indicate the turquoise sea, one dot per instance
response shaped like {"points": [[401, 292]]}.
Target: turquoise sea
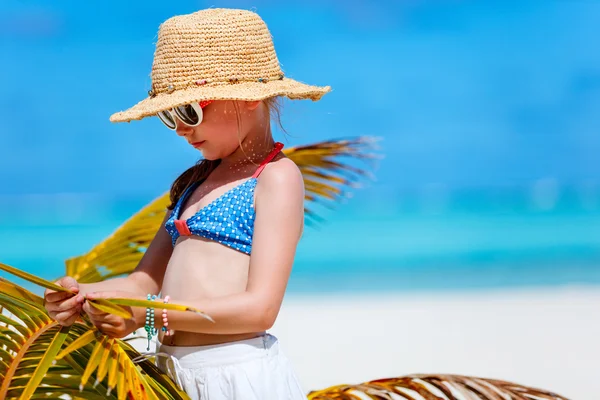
{"points": [[370, 244], [488, 113]]}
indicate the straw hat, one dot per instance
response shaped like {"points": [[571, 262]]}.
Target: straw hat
{"points": [[215, 54]]}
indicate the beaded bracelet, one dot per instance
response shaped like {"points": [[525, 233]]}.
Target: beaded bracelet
{"points": [[165, 327], [149, 327]]}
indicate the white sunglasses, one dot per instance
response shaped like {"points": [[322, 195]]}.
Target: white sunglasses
{"points": [[190, 114]]}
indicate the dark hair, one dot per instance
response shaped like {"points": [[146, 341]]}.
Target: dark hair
{"points": [[197, 173], [203, 168]]}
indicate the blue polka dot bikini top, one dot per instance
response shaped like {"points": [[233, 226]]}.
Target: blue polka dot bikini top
{"points": [[229, 219]]}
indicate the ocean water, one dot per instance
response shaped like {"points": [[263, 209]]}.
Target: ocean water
{"points": [[374, 243], [488, 113]]}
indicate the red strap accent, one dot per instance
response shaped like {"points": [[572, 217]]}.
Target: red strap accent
{"points": [[274, 152], [182, 227]]}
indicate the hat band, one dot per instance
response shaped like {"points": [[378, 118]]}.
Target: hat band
{"points": [[201, 82]]}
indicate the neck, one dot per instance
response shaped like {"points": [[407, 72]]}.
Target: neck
{"points": [[253, 150]]}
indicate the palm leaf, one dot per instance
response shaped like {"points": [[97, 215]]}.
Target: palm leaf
{"points": [[27, 334], [78, 343], [32, 365], [157, 305], [108, 305], [46, 360], [434, 387], [36, 339], [102, 304], [33, 279], [327, 180]]}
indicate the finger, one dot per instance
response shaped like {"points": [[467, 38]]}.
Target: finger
{"points": [[65, 316], [70, 303], [93, 310], [54, 296], [108, 320], [86, 307], [104, 324], [68, 282], [71, 320], [65, 282], [66, 304], [105, 327], [108, 329], [105, 319]]}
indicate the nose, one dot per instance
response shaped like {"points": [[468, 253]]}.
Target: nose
{"points": [[183, 129]]}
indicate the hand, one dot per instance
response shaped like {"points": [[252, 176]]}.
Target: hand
{"points": [[62, 306], [110, 324]]}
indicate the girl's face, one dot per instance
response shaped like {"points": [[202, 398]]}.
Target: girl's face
{"points": [[224, 125]]}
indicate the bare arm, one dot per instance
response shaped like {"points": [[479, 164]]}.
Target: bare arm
{"points": [[277, 229]]}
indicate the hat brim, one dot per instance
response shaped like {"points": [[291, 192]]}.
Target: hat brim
{"points": [[239, 91]]}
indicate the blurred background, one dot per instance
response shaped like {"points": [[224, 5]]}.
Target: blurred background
{"points": [[487, 111], [476, 248]]}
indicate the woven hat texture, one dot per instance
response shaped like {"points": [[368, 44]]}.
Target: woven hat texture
{"points": [[215, 54]]}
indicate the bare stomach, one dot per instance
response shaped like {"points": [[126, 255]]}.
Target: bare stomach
{"points": [[203, 269]]}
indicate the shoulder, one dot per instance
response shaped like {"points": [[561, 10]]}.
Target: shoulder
{"points": [[279, 197], [283, 173], [282, 176]]}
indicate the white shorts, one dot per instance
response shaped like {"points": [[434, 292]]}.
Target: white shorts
{"points": [[253, 369]]}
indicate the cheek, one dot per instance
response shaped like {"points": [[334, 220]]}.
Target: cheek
{"points": [[221, 125], [217, 149], [224, 114], [219, 120], [222, 141]]}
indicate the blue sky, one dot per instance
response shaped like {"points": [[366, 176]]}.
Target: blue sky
{"points": [[463, 93]]}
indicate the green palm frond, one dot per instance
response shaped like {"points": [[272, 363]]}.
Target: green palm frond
{"points": [[108, 305], [328, 178], [94, 366], [434, 387], [121, 252], [32, 364]]}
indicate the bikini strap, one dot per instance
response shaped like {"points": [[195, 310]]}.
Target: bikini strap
{"points": [[274, 152]]}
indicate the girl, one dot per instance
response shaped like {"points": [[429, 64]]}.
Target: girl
{"points": [[228, 244]]}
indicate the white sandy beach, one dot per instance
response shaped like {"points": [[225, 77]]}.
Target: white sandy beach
{"points": [[548, 338]]}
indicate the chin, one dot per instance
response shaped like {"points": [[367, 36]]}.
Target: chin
{"points": [[215, 154], [207, 155]]}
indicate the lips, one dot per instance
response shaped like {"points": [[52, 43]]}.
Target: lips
{"points": [[198, 144]]}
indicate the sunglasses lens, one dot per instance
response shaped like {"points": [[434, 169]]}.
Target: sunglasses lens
{"points": [[167, 119], [189, 114]]}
